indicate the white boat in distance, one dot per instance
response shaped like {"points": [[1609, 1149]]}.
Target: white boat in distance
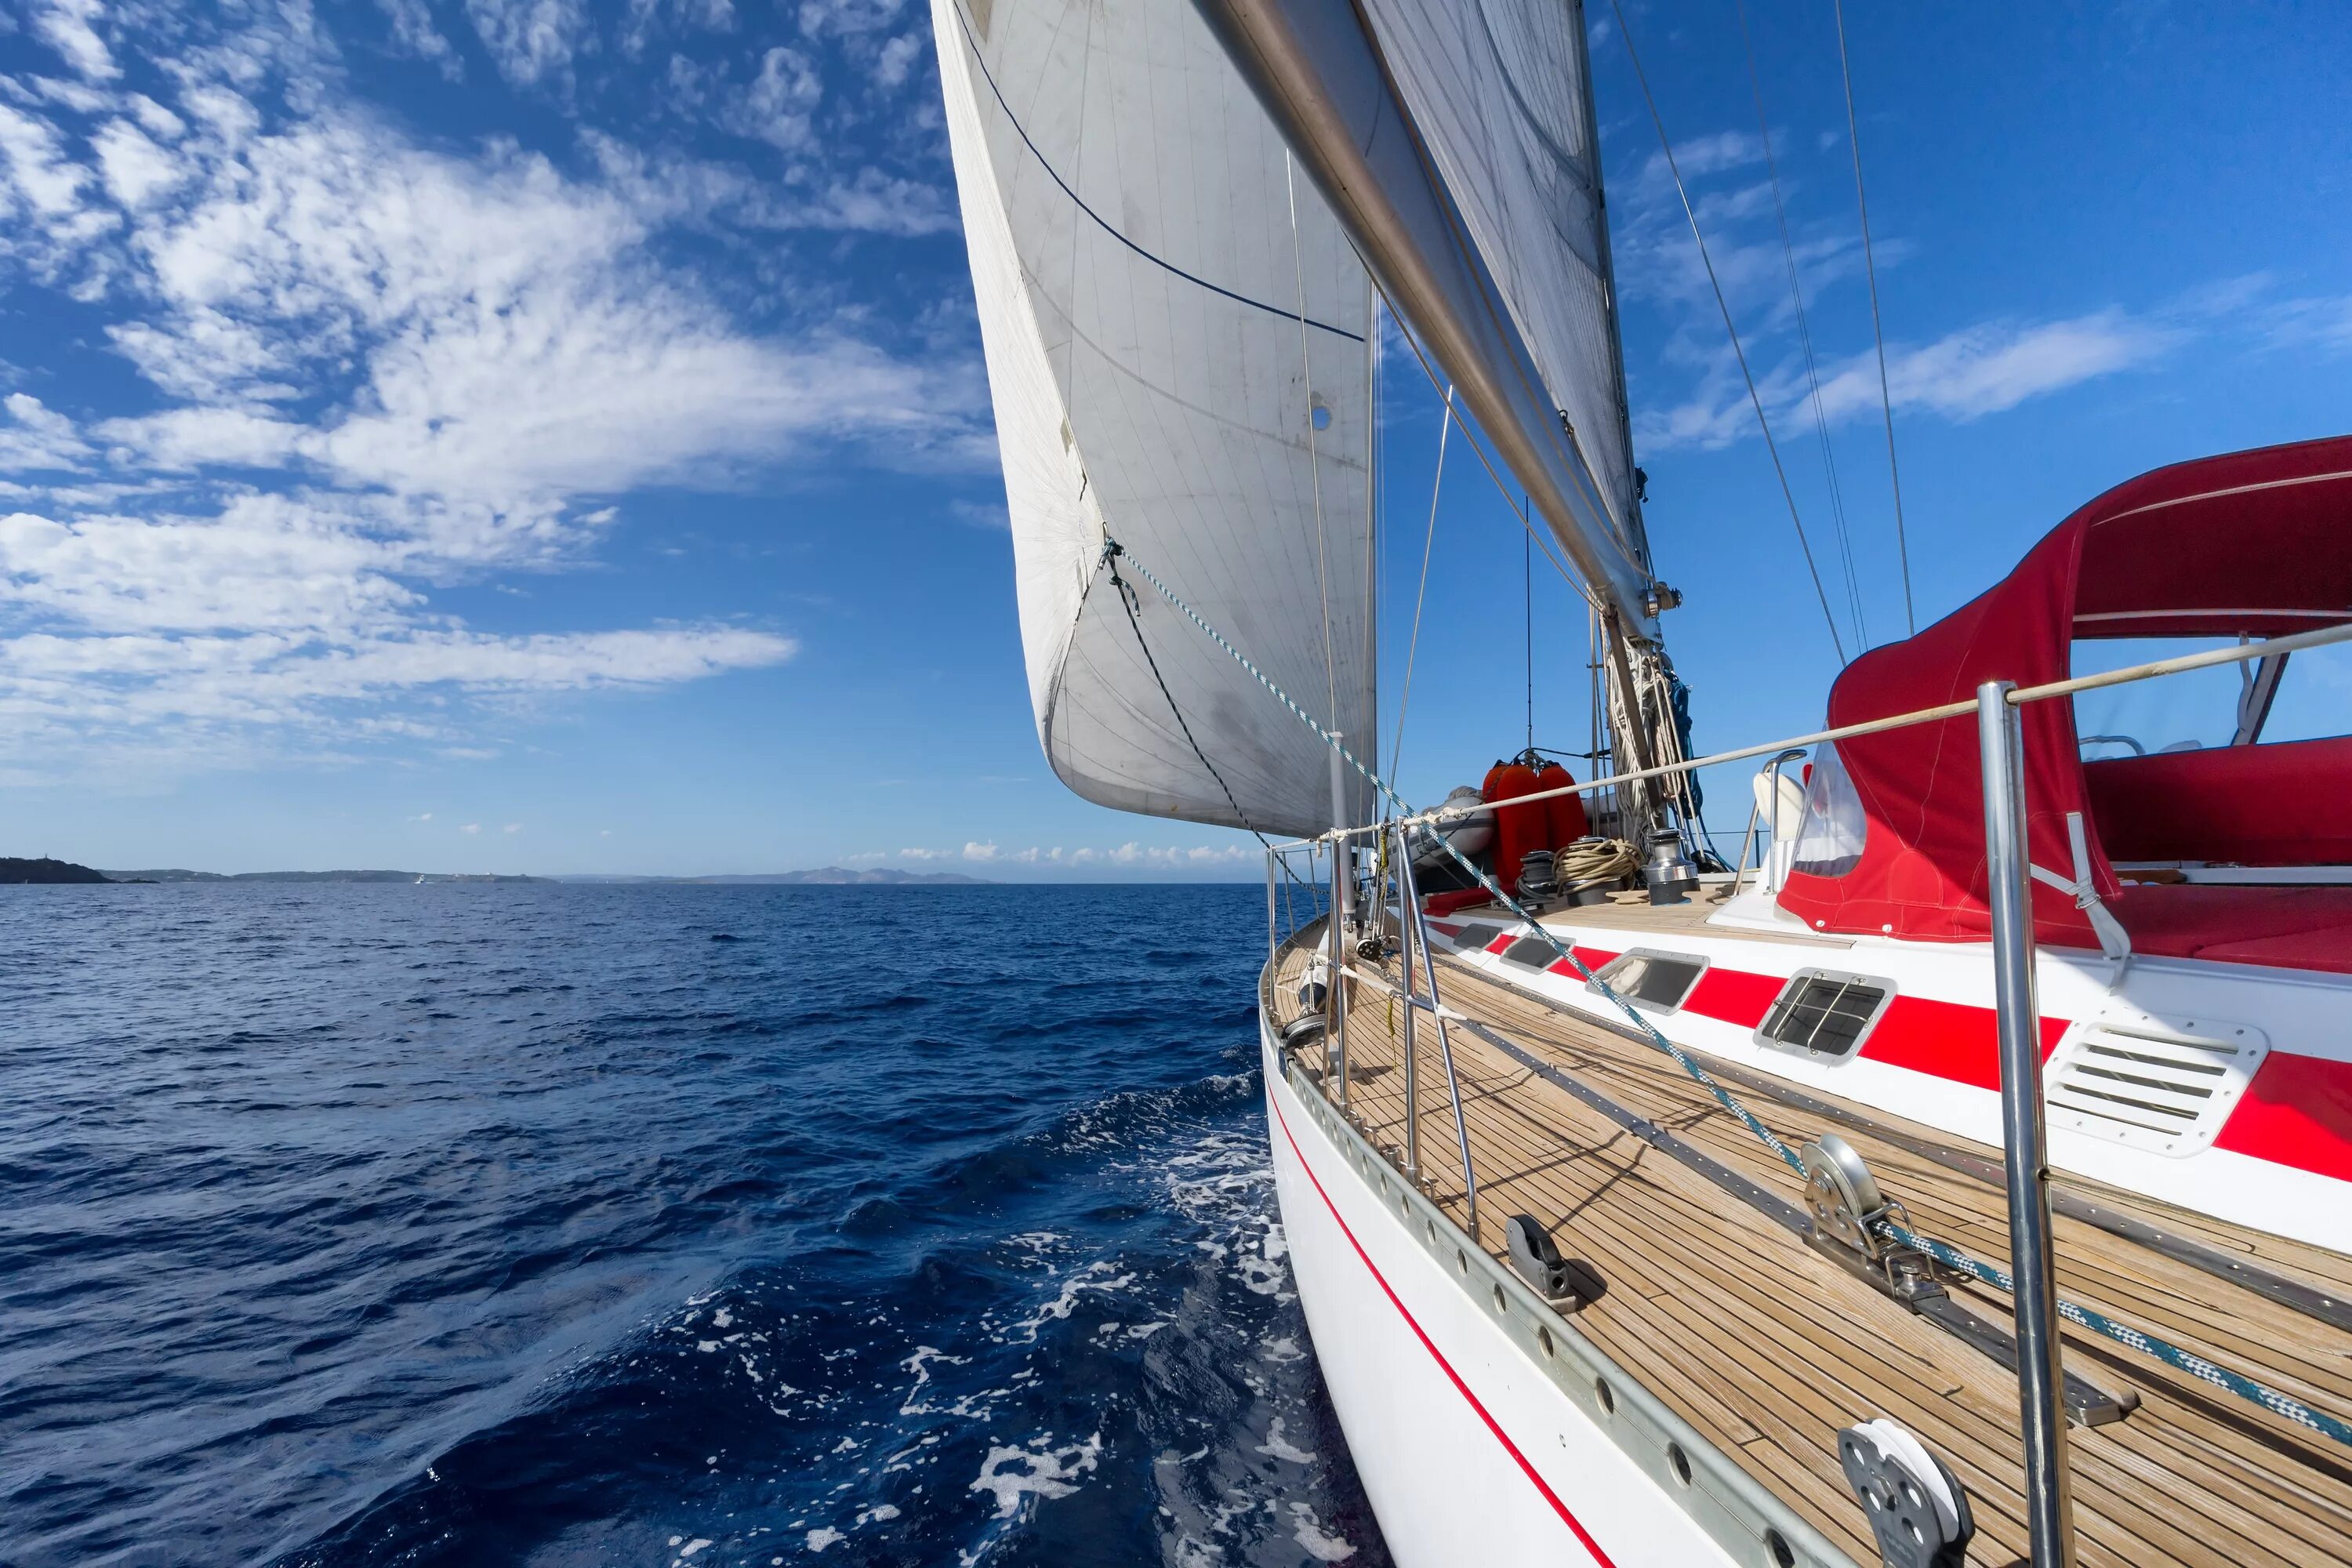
{"points": [[1965, 1180]]}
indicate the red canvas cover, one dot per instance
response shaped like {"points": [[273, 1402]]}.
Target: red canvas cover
{"points": [[2256, 543]]}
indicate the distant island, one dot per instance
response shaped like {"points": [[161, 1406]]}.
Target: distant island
{"points": [[44, 870], [824, 876], [13, 870], [175, 875]]}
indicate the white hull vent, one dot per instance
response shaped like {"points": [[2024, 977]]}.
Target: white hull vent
{"points": [[2161, 1084]]}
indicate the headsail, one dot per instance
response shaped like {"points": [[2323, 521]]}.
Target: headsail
{"points": [[1176, 336], [1440, 176], [1498, 91]]}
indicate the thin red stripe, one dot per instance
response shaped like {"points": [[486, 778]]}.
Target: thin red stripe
{"points": [[1445, 1366]]}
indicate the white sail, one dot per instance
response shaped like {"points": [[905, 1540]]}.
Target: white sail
{"points": [[1326, 81], [1175, 332], [1498, 91]]}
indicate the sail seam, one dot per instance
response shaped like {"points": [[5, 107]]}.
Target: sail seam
{"points": [[1100, 222]]}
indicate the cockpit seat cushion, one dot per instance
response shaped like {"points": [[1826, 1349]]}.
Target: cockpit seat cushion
{"points": [[2289, 804], [2278, 928]]}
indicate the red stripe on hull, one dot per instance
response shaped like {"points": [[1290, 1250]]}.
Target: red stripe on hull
{"points": [[2297, 1112], [1435, 1355]]}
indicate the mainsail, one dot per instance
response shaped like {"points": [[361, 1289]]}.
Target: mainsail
{"points": [[1177, 337]]}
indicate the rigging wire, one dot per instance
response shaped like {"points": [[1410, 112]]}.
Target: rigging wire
{"points": [[1528, 590], [1404, 698], [1805, 340], [1877, 332], [1575, 584], [1756, 401], [1127, 599], [1314, 464]]}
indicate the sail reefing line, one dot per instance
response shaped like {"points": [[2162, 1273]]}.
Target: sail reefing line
{"points": [[1112, 229]]}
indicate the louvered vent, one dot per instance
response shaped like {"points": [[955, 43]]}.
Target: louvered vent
{"points": [[2162, 1084]]}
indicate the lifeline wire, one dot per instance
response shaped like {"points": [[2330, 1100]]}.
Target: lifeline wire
{"points": [[1755, 401], [2097, 1322]]}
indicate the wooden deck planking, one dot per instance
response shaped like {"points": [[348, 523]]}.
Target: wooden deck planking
{"points": [[1768, 1349]]}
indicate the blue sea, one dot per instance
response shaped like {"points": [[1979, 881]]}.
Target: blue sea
{"points": [[554, 1224]]}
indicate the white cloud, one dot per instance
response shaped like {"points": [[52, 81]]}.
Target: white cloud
{"points": [[413, 29], [382, 367], [2324, 323], [1131, 856], [776, 107], [896, 59], [1966, 374], [37, 438], [512, 827], [133, 167], [65, 27], [471, 827], [532, 40]]}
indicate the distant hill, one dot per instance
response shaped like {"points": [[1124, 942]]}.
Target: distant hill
{"points": [[824, 876], [185, 876], [13, 869]]}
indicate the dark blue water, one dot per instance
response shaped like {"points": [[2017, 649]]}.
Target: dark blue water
{"points": [[716, 1226]]}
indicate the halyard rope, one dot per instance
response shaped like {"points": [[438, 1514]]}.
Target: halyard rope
{"points": [[2097, 1322]]}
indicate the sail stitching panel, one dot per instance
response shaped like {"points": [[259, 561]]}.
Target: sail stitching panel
{"points": [[1100, 222]]}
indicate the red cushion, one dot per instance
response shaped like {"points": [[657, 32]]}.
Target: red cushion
{"points": [[2280, 927], [1446, 903], [2284, 805]]}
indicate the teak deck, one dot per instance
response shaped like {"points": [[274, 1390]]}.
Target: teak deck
{"points": [[1768, 1348]]}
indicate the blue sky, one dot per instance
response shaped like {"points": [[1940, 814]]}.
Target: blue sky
{"points": [[522, 435]]}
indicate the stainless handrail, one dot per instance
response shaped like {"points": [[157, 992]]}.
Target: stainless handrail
{"points": [[2018, 697], [1406, 929], [1412, 913], [2048, 1492]]}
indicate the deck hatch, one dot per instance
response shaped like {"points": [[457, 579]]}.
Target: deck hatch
{"points": [[1822, 1013], [1661, 982], [2157, 1083], [1530, 952], [1473, 936]]}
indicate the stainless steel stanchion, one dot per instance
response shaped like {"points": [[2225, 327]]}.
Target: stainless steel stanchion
{"points": [[1408, 925], [2049, 1494]]}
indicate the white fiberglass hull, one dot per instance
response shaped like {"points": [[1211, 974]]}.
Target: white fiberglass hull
{"points": [[1467, 1439]]}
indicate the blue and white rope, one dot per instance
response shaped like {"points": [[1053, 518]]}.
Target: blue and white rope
{"points": [[2171, 1355]]}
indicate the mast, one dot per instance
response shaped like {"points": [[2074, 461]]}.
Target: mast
{"points": [[1320, 74]]}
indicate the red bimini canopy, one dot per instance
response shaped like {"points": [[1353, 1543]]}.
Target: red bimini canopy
{"points": [[2254, 543]]}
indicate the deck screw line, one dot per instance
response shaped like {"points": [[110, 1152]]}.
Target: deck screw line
{"points": [[1951, 1257]]}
